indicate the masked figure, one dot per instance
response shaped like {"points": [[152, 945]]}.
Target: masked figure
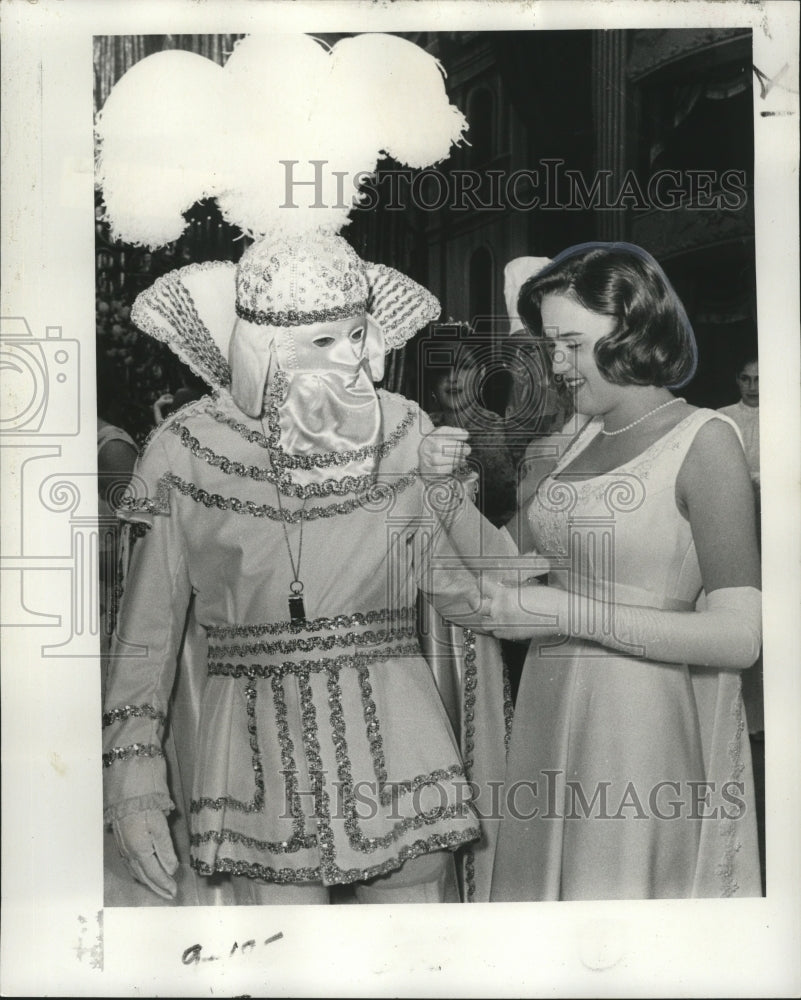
{"points": [[285, 526], [288, 509]]}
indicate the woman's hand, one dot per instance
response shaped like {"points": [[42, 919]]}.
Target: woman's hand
{"points": [[526, 611], [165, 399], [442, 451]]}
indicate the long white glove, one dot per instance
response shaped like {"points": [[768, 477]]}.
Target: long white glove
{"points": [[144, 841], [727, 634]]}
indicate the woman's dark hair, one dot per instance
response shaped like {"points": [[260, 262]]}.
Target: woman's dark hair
{"points": [[652, 342], [748, 357]]}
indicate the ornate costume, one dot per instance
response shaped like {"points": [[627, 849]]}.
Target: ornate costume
{"points": [[286, 512], [303, 721]]}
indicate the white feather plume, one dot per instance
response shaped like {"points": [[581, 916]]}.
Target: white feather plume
{"points": [[399, 91], [177, 128], [158, 151]]}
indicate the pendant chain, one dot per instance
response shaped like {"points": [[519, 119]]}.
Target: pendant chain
{"points": [[295, 567], [297, 607]]}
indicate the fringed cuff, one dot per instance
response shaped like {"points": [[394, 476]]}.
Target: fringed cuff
{"points": [[142, 803]]}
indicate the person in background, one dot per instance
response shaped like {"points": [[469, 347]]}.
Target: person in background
{"points": [[456, 402], [192, 388], [746, 414], [116, 456]]}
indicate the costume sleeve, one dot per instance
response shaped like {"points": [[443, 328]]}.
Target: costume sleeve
{"points": [[144, 650], [465, 554], [458, 549]]}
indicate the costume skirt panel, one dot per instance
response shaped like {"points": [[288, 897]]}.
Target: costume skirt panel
{"points": [[332, 768]]}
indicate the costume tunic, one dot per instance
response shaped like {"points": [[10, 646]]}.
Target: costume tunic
{"points": [[323, 751], [615, 751]]}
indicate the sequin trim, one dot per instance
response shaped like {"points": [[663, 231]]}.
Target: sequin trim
{"points": [[357, 660], [356, 838], [328, 487], [338, 876], [169, 481], [134, 750], [310, 643], [726, 870], [298, 317], [299, 840], [133, 712], [227, 801], [508, 709], [328, 871], [469, 683], [400, 788], [265, 873], [186, 334], [282, 460], [373, 730], [312, 624]]}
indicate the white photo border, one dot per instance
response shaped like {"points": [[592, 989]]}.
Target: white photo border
{"points": [[57, 939]]}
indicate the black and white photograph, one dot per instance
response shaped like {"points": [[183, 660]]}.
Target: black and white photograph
{"points": [[391, 513]]}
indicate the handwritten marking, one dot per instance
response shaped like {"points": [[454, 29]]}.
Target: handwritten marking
{"points": [[194, 953], [766, 83], [191, 954]]}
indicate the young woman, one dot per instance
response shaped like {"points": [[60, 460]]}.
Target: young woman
{"points": [[629, 771]]}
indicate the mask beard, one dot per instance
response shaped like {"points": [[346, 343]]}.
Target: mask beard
{"points": [[325, 416]]}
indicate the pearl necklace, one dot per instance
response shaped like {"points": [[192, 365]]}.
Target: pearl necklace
{"points": [[639, 420]]}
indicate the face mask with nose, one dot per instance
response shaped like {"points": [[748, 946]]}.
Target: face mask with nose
{"points": [[313, 387], [296, 333]]}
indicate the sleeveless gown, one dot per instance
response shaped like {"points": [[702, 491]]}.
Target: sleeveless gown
{"points": [[626, 778]]}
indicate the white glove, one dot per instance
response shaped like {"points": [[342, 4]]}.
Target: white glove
{"points": [[143, 840], [726, 634], [443, 451], [523, 611]]}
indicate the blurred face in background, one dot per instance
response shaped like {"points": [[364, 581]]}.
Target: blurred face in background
{"points": [[748, 384], [452, 390]]}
